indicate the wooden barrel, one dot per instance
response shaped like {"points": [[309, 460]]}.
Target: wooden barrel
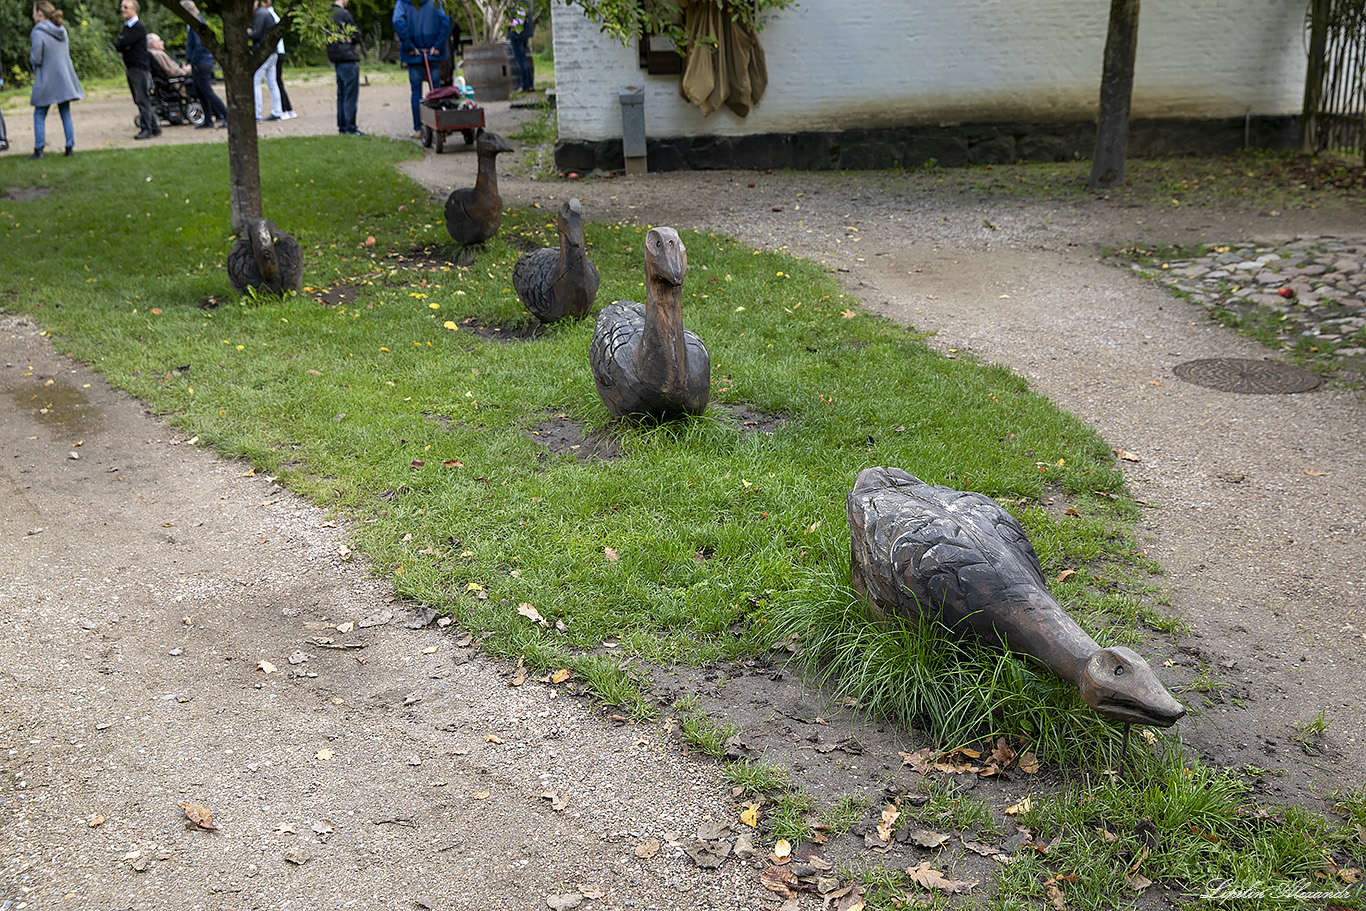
{"points": [[486, 71]]}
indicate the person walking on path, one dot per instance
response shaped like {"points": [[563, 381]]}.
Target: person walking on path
{"points": [[261, 21], [132, 44], [520, 30], [344, 54], [201, 71], [286, 106], [422, 28], [4, 136], [54, 78]]}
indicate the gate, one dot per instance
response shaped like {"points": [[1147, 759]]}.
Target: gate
{"points": [[1334, 99]]}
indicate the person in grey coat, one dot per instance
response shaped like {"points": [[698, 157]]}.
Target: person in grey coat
{"points": [[54, 78]]}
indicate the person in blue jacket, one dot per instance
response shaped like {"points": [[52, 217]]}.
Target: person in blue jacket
{"points": [[201, 71], [422, 28]]}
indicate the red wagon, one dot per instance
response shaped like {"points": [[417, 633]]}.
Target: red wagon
{"points": [[449, 116]]}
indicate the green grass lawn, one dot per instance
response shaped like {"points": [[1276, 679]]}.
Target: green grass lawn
{"points": [[393, 410]]}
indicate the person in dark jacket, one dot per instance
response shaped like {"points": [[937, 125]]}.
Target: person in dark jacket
{"points": [[132, 44], [520, 29], [54, 78], [344, 53], [201, 71], [422, 28]]}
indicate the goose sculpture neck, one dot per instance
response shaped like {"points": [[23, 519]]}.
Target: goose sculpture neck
{"points": [[663, 357]]}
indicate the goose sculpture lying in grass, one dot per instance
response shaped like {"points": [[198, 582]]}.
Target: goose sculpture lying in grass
{"points": [[265, 258], [473, 214], [644, 361], [918, 547], [555, 284]]}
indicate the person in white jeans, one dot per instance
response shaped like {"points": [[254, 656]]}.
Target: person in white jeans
{"points": [[261, 21]]}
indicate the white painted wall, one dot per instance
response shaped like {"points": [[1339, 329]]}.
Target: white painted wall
{"points": [[849, 64]]}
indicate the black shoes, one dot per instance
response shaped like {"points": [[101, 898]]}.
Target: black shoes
{"points": [[70, 150], [206, 125], [144, 134], [37, 153]]}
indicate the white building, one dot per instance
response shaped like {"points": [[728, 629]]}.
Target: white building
{"points": [[876, 83]]}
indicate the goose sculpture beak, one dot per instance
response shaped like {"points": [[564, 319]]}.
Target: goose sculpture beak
{"points": [[666, 260]]}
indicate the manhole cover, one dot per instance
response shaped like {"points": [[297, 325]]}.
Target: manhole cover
{"points": [[1233, 374]]}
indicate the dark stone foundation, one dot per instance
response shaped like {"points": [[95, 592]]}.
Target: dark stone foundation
{"points": [[913, 147]]}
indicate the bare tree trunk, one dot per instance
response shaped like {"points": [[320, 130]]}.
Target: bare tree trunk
{"points": [[239, 63], [1319, 11], [1116, 90]]}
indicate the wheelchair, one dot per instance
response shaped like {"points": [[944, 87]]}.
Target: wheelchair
{"points": [[174, 99]]}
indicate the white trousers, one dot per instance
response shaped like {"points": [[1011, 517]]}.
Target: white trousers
{"points": [[267, 73]]}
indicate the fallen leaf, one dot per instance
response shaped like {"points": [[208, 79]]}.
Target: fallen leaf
{"points": [[1127, 456], [1021, 807], [927, 838], [1138, 882], [610, 554], [976, 847], [1029, 763], [750, 816], [1107, 836], [560, 676], [519, 678], [1066, 574], [1055, 896], [430, 650], [526, 610], [95, 821], [780, 880], [493, 738], [480, 795], [887, 825], [453, 463], [930, 878], [590, 890], [199, 815], [1315, 474], [646, 849], [1349, 875], [346, 627], [323, 755], [266, 667], [782, 851]]}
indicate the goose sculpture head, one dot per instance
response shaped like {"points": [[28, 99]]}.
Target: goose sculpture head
{"points": [[644, 360], [562, 283]]}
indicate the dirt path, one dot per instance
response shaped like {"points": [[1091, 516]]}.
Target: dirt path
{"points": [[150, 582]]}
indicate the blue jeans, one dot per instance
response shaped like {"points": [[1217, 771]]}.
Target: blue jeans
{"points": [[520, 53], [348, 93], [417, 74], [40, 125], [202, 74]]}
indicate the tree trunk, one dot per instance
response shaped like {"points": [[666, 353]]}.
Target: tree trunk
{"points": [[239, 63], [1116, 90]]}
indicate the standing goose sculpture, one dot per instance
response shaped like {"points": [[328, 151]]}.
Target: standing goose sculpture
{"points": [[473, 214], [958, 556], [644, 361], [265, 258], [555, 284]]}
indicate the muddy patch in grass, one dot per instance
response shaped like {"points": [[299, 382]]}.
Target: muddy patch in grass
{"points": [[27, 194], [562, 435], [500, 331], [437, 256], [751, 420]]}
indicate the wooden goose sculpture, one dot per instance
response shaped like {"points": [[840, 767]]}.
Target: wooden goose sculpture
{"points": [[643, 360], [554, 284], [265, 258], [473, 214], [918, 547]]}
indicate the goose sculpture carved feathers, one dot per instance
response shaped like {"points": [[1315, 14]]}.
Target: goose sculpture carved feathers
{"points": [[644, 361], [265, 258], [918, 548], [555, 284]]}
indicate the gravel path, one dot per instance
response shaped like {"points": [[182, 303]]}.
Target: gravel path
{"points": [[150, 585]]}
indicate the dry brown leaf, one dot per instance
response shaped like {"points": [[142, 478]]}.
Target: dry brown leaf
{"points": [[95, 821], [1066, 574], [1127, 456], [1055, 897], [610, 553], [976, 847], [1107, 836], [526, 610], [1138, 882], [560, 676], [480, 795], [265, 667], [346, 627], [519, 679], [1138, 861], [887, 826], [782, 851], [750, 815], [646, 849], [590, 890], [493, 738], [1029, 763], [1021, 807], [930, 878], [780, 880], [927, 838], [199, 815]]}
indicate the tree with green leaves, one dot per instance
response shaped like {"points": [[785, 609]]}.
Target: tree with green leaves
{"points": [[628, 20]]}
